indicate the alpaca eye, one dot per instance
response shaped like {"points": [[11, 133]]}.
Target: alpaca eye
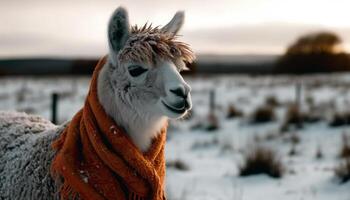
{"points": [[136, 71]]}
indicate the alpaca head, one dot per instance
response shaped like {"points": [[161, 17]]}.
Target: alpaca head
{"points": [[145, 65]]}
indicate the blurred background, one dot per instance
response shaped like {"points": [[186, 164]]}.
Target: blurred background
{"points": [[270, 88]]}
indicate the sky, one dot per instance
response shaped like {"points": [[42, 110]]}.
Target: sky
{"points": [[69, 28]]}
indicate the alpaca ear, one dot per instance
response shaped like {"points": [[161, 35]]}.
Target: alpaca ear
{"points": [[175, 24], [118, 29]]}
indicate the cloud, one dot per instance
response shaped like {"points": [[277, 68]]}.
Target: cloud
{"points": [[66, 28], [261, 38], [258, 39]]}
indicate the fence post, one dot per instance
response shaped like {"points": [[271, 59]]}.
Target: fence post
{"points": [[298, 98], [212, 101], [54, 101]]}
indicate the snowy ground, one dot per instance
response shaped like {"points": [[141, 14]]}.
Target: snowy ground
{"points": [[213, 157]]}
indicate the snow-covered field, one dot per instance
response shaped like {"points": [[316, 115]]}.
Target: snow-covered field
{"points": [[208, 161]]}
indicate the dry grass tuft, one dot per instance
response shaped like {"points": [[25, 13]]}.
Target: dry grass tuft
{"points": [[233, 112], [319, 154], [295, 138], [345, 148], [270, 136], [340, 119], [342, 171], [292, 138], [262, 160], [177, 164], [213, 122], [263, 114], [293, 150], [296, 117], [204, 144], [272, 101]]}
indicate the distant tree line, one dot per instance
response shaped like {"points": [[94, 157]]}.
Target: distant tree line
{"points": [[314, 52]]}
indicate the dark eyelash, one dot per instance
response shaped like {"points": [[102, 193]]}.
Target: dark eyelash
{"points": [[137, 71]]}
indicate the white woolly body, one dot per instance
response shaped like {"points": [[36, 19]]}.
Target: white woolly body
{"points": [[25, 157]]}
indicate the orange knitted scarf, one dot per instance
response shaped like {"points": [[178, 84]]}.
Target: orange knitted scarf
{"points": [[96, 160]]}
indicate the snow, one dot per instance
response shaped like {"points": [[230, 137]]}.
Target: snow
{"points": [[214, 157]]}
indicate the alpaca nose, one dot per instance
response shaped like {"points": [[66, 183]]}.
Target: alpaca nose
{"points": [[180, 92]]}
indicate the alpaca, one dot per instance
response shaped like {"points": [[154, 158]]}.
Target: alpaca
{"points": [[139, 87]]}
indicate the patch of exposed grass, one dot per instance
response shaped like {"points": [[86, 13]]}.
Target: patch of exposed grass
{"points": [[262, 160], [233, 112], [345, 148], [340, 119], [342, 171], [263, 114], [293, 150], [205, 144], [271, 136], [294, 116], [319, 154], [295, 138], [292, 138], [177, 164], [272, 101], [213, 122]]}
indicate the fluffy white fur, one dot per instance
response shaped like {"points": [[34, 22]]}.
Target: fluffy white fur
{"points": [[137, 103], [25, 157], [175, 24], [140, 126]]}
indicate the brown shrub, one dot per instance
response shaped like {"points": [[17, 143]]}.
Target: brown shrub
{"points": [[345, 148], [263, 114], [293, 151], [310, 101], [205, 144], [262, 160], [295, 138], [272, 101], [271, 136], [340, 119], [319, 154], [213, 122], [233, 112], [342, 171], [292, 138], [210, 123], [177, 164], [296, 117], [293, 115]]}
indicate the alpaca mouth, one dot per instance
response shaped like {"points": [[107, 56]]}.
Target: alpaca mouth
{"points": [[174, 109]]}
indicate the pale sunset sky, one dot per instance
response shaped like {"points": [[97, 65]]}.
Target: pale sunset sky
{"points": [[78, 27]]}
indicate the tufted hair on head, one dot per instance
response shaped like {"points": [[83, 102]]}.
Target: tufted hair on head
{"points": [[147, 43]]}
